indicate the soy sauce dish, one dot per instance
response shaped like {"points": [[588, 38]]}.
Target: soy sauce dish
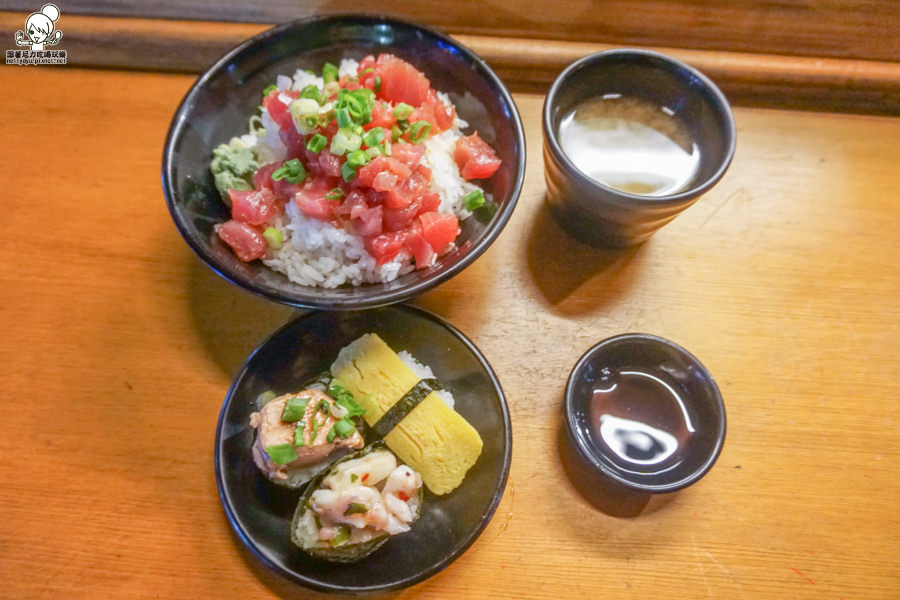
{"points": [[645, 413], [260, 511]]}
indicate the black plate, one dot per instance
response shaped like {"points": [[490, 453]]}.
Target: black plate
{"points": [[260, 512]]}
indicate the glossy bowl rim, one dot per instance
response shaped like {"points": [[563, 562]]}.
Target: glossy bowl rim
{"points": [[351, 302], [228, 504], [717, 97], [584, 450]]}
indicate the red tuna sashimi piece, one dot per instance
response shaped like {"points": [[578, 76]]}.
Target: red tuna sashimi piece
{"points": [[254, 207], [385, 246], [475, 159], [400, 81], [439, 229], [246, 240]]}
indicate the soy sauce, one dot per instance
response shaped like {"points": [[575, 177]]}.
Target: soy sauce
{"points": [[639, 419], [630, 144]]}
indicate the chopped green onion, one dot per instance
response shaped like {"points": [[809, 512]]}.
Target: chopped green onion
{"points": [[473, 200], [344, 397], [396, 132], [357, 158], [367, 70], [298, 434], [294, 408], [418, 131], [315, 428], [353, 477], [281, 454], [348, 172], [373, 151], [374, 136], [345, 140], [341, 536], [274, 238], [356, 508], [344, 428], [343, 117], [317, 143], [365, 100], [403, 111], [270, 89], [377, 85], [305, 112], [312, 92], [334, 194], [486, 212], [292, 171], [329, 72]]}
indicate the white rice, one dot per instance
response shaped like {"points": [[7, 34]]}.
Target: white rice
{"points": [[425, 372], [314, 252]]}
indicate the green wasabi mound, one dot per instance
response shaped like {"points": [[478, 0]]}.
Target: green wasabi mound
{"points": [[233, 166]]}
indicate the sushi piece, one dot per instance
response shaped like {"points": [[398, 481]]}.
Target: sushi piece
{"points": [[408, 413], [298, 435], [353, 508]]}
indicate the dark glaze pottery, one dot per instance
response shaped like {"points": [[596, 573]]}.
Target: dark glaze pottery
{"points": [[601, 215], [220, 103]]}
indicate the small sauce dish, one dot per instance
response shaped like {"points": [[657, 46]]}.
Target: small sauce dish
{"points": [[645, 413]]}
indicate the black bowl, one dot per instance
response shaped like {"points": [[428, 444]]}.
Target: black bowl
{"points": [[260, 512], [220, 103], [668, 412]]}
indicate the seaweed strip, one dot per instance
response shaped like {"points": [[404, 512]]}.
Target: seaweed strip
{"points": [[404, 406]]}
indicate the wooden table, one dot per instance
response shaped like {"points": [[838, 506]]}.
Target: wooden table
{"points": [[119, 345]]}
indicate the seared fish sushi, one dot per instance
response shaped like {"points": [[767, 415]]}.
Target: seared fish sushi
{"points": [[352, 509], [298, 435]]}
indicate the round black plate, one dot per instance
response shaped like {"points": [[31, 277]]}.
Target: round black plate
{"points": [[260, 512]]}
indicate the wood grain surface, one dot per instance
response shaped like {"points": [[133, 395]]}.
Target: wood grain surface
{"points": [[862, 29], [789, 75], [118, 347]]}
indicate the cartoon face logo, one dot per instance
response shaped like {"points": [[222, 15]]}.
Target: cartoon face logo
{"points": [[39, 29]]}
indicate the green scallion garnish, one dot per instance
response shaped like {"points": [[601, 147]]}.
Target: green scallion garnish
{"points": [[298, 434], [312, 92], [317, 143], [418, 131], [344, 428], [473, 200], [270, 89], [294, 408], [403, 111], [292, 171], [329, 72], [348, 172], [342, 114], [334, 194], [281, 454], [356, 508], [374, 136], [341, 536], [273, 237], [357, 158]]}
